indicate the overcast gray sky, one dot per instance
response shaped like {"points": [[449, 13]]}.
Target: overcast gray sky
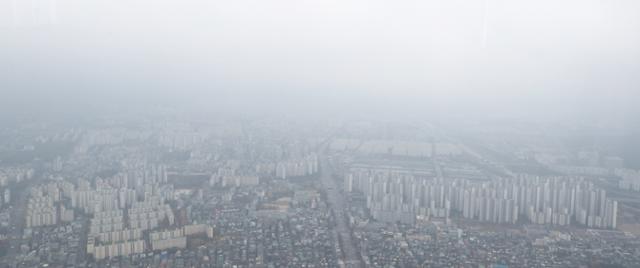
{"points": [[498, 56]]}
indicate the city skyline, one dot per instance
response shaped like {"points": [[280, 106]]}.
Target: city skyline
{"points": [[320, 133]]}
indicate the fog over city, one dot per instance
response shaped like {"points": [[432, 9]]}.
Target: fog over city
{"points": [[570, 57], [320, 133]]}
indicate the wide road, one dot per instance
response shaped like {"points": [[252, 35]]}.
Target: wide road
{"points": [[17, 218], [337, 204]]}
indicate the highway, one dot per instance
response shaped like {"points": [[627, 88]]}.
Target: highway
{"points": [[17, 219], [350, 256]]}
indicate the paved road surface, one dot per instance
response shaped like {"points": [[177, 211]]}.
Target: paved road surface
{"points": [[351, 257]]}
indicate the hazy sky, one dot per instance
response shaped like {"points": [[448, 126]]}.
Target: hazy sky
{"points": [[495, 56]]}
